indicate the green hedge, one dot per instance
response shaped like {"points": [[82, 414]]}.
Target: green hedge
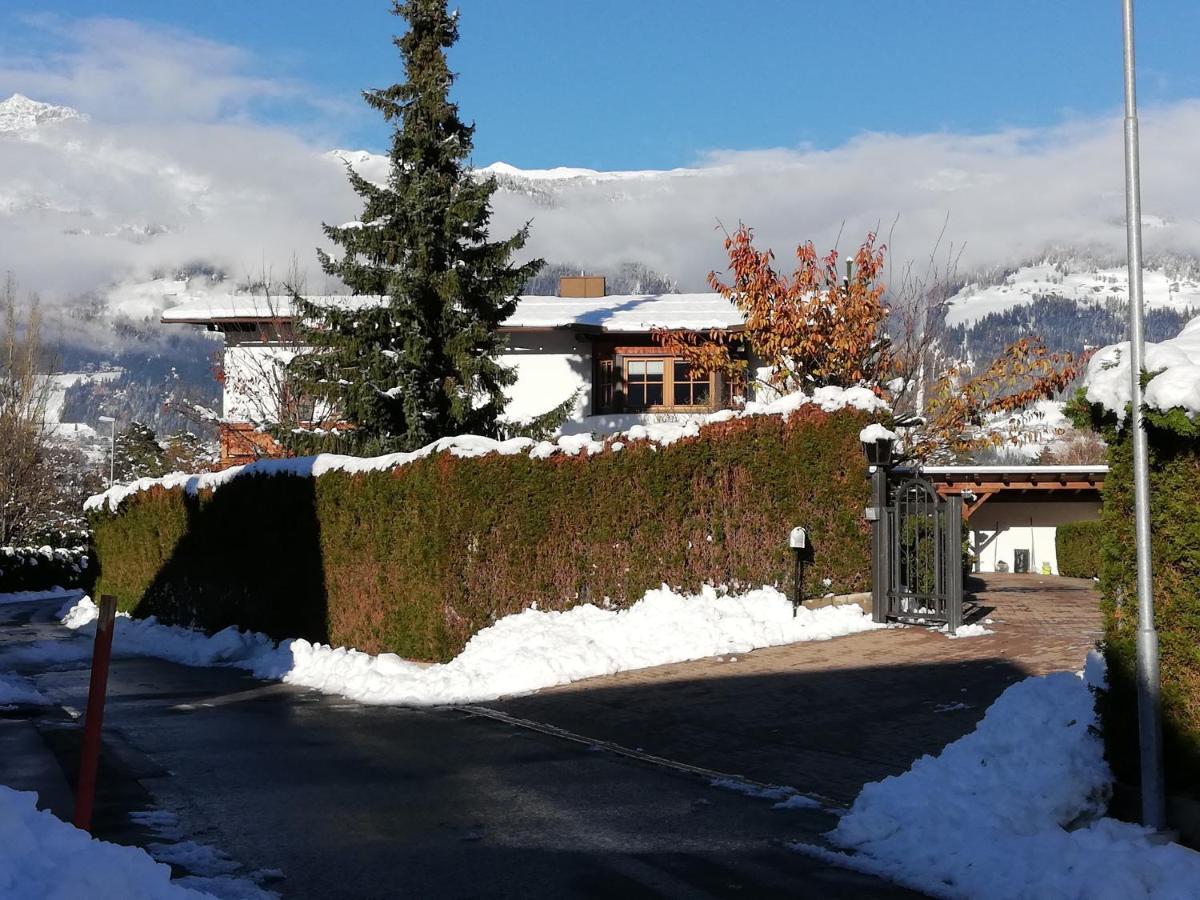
{"points": [[43, 568], [417, 559], [1175, 553], [1077, 545]]}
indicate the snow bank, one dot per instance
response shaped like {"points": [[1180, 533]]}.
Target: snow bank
{"points": [[56, 593], [1013, 810], [829, 399], [14, 689], [1177, 384], [43, 857], [518, 654]]}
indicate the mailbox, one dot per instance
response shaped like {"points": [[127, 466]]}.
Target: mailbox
{"points": [[798, 539]]}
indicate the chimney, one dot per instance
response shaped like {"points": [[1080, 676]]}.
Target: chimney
{"points": [[581, 286]]}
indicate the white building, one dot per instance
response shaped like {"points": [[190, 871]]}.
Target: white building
{"points": [[583, 343], [1013, 512]]}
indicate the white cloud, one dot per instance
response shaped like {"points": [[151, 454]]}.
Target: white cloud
{"points": [[173, 169]]}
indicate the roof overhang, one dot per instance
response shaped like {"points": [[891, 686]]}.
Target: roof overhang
{"points": [[978, 484]]}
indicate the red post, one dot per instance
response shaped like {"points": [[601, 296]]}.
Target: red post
{"points": [[89, 764]]}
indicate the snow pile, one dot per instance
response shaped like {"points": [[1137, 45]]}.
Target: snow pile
{"points": [[989, 816], [518, 654], [828, 399], [42, 856], [1177, 384], [15, 690], [876, 432]]}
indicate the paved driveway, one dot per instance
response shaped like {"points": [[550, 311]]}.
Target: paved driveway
{"points": [[829, 717]]}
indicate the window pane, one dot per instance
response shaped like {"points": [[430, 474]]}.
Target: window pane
{"points": [[655, 367], [637, 367], [682, 371], [654, 394], [637, 395], [700, 393], [683, 393]]}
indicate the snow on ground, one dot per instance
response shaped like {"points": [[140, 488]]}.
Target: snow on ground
{"points": [[1177, 384], [1014, 810], [57, 593], [1097, 286], [662, 433], [519, 654], [17, 690], [44, 858]]}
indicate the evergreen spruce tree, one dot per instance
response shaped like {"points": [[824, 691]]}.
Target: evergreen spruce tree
{"points": [[419, 361], [138, 454]]}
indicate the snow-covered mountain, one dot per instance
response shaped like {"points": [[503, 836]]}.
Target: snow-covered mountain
{"points": [[1167, 283], [20, 114]]}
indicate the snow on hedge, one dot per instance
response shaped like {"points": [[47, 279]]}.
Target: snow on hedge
{"points": [[1177, 384], [520, 653], [829, 399], [43, 857], [1015, 810]]}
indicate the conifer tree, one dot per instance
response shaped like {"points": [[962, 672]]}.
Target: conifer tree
{"points": [[413, 357]]}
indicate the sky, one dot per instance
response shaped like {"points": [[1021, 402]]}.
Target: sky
{"points": [[989, 129], [630, 84]]}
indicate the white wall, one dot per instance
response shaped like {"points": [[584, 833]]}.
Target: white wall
{"points": [[551, 366], [1002, 526]]}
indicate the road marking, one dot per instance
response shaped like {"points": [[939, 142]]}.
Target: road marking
{"points": [[592, 743]]}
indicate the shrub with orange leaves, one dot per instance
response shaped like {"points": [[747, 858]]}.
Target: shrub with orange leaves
{"points": [[809, 329], [961, 410]]}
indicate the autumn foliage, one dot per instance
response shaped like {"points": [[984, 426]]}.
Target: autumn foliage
{"points": [[960, 407], [809, 329]]}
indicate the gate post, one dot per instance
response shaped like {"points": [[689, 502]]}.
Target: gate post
{"points": [[954, 561], [880, 555]]}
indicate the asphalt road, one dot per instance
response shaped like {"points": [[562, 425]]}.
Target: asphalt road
{"points": [[354, 801]]}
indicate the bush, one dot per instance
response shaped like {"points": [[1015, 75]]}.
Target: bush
{"points": [[1175, 554], [417, 559], [1077, 545], [43, 568]]}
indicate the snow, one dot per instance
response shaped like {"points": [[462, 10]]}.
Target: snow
{"points": [[44, 858], [876, 432], [1177, 384], [627, 313], [16, 690], [20, 114], [662, 433], [617, 313], [1086, 287], [519, 654], [1014, 810], [59, 594]]}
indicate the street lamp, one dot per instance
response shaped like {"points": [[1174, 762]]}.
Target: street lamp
{"points": [[878, 443], [112, 456]]}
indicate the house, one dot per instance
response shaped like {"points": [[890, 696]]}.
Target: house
{"points": [[1012, 513], [582, 343]]}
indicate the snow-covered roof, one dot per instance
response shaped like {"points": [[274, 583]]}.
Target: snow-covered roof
{"points": [[614, 313], [968, 470], [249, 307]]}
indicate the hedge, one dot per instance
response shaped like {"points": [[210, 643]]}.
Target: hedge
{"points": [[1077, 545], [417, 559], [1175, 554], [43, 568]]}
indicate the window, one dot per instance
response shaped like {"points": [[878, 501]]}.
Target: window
{"points": [[691, 388], [607, 384], [644, 382]]}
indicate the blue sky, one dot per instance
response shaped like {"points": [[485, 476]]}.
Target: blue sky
{"points": [[637, 84]]}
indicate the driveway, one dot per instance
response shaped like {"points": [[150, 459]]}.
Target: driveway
{"points": [[829, 717]]}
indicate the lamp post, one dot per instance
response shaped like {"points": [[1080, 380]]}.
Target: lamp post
{"points": [[112, 455], [878, 444], [1149, 712]]}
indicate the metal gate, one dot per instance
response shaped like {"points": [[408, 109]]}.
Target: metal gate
{"points": [[923, 555]]}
